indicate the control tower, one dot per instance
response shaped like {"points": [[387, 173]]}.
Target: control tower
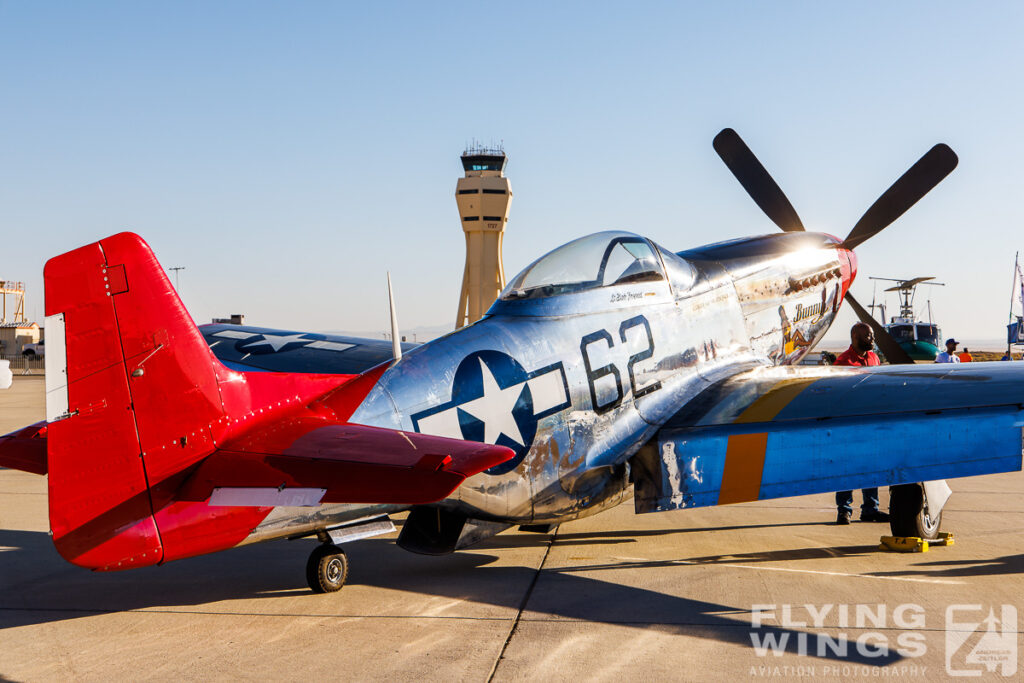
{"points": [[483, 196]]}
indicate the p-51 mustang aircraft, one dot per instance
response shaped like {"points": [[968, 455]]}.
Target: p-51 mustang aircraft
{"points": [[609, 366]]}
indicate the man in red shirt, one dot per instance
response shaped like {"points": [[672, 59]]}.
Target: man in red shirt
{"points": [[862, 340]]}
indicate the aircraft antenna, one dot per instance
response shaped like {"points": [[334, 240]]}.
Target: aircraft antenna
{"points": [[396, 340]]}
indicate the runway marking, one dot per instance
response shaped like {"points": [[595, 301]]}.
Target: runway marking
{"points": [[818, 571], [693, 563], [701, 623], [201, 613]]}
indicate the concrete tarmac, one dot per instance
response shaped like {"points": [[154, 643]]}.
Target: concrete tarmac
{"points": [[666, 596]]}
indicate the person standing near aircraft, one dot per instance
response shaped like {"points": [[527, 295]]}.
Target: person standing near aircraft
{"points": [[949, 355], [860, 354], [966, 356]]}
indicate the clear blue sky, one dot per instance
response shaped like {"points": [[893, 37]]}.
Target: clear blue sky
{"points": [[287, 154]]}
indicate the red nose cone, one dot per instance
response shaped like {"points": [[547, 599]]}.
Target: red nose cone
{"points": [[848, 268]]}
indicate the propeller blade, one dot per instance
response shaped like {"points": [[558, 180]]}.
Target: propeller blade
{"points": [[756, 180], [918, 181], [893, 352]]}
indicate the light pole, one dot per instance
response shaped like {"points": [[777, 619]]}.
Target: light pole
{"points": [[176, 269]]}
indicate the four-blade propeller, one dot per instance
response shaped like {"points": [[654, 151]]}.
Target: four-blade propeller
{"points": [[918, 181]]}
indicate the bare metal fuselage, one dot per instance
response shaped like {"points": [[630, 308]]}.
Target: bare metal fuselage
{"points": [[627, 358]]}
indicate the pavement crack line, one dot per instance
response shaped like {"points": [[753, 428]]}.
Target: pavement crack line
{"points": [[522, 607]]}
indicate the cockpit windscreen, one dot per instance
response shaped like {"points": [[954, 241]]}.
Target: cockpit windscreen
{"points": [[602, 260]]}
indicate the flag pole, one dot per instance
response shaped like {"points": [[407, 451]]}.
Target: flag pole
{"points": [[1013, 293], [1013, 287]]}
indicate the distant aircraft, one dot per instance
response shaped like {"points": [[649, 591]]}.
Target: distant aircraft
{"points": [[921, 340], [609, 367]]}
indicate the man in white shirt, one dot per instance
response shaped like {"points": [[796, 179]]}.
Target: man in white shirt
{"points": [[949, 355]]}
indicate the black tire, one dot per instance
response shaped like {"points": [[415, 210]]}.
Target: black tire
{"points": [[907, 515], [327, 569], [28, 352]]}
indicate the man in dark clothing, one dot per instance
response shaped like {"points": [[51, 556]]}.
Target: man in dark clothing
{"points": [[862, 339]]}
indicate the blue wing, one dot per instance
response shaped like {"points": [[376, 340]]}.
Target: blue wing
{"points": [[777, 432]]}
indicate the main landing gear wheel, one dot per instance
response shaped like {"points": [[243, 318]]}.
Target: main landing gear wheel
{"points": [[327, 569], [908, 514]]}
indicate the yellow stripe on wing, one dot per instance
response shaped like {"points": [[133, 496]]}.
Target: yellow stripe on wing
{"points": [[771, 404]]}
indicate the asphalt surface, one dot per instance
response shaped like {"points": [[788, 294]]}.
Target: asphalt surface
{"points": [[650, 597]]}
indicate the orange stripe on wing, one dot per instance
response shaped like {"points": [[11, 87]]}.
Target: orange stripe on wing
{"points": [[744, 462], [744, 453]]}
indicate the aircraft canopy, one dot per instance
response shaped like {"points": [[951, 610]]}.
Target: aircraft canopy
{"points": [[604, 259]]}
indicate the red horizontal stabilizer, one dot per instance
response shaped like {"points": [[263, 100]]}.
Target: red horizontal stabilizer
{"points": [[351, 463], [25, 449]]}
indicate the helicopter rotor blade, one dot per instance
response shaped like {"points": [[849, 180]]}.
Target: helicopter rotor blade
{"points": [[758, 183], [910, 284]]}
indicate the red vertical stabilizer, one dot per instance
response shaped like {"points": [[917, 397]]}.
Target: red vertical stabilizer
{"points": [[146, 400]]}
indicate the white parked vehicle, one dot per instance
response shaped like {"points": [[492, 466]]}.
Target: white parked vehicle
{"points": [[34, 349]]}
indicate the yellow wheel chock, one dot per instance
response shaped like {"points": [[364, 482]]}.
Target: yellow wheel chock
{"points": [[912, 544]]}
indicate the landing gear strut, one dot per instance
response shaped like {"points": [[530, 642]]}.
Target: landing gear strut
{"points": [[327, 568], [908, 513]]}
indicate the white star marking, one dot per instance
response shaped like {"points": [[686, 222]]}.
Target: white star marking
{"points": [[277, 341], [494, 408]]}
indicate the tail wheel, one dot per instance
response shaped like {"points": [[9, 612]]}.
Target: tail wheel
{"points": [[327, 569], [908, 514]]}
